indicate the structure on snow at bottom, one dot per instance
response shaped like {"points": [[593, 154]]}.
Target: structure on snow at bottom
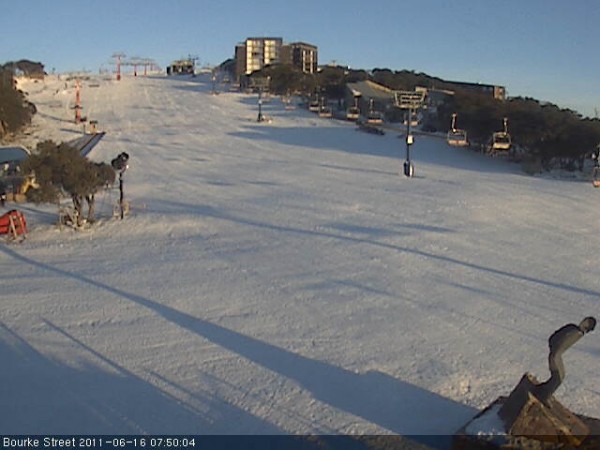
{"points": [[531, 417]]}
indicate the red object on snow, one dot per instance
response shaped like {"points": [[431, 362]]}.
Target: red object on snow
{"points": [[13, 222]]}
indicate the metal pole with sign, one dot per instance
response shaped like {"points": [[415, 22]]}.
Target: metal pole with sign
{"points": [[410, 101]]}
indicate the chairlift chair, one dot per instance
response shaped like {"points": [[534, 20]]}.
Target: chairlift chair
{"points": [[456, 137], [314, 106], [501, 140], [352, 113], [375, 117], [326, 112]]}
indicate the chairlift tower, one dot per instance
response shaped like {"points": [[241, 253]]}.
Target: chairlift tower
{"points": [[135, 61], [147, 62], [118, 56], [410, 101]]}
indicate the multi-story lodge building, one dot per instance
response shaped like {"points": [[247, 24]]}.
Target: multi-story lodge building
{"points": [[256, 53], [302, 55]]}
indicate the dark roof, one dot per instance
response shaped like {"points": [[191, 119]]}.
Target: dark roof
{"points": [[9, 154], [86, 143], [303, 44], [468, 84]]}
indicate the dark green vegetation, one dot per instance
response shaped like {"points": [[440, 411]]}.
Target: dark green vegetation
{"points": [[544, 130], [61, 169], [15, 110]]}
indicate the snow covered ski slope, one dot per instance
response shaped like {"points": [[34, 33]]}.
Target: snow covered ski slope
{"points": [[284, 278]]}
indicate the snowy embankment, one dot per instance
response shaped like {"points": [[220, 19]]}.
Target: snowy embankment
{"points": [[284, 278]]}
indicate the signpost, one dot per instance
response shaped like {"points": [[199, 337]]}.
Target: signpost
{"points": [[411, 101]]}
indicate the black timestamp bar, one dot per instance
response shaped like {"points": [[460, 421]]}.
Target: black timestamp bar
{"points": [[150, 442], [221, 442], [97, 442]]}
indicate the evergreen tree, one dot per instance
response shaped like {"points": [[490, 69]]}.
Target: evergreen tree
{"points": [[15, 110], [61, 169]]}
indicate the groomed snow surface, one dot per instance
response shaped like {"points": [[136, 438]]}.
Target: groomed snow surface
{"points": [[285, 278]]}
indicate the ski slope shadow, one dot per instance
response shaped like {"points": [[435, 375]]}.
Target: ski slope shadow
{"points": [[39, 395], [209, 211], [378, 398], [343, 138], [395, 405]]}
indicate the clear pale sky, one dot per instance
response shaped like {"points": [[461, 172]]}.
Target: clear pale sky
{"points": [[546, 49]]}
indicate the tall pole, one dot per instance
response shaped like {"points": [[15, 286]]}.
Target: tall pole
{"points": [[77, 102], [118, 57], [121, 195], [408, 167], [409, 101], [260, 115]]}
